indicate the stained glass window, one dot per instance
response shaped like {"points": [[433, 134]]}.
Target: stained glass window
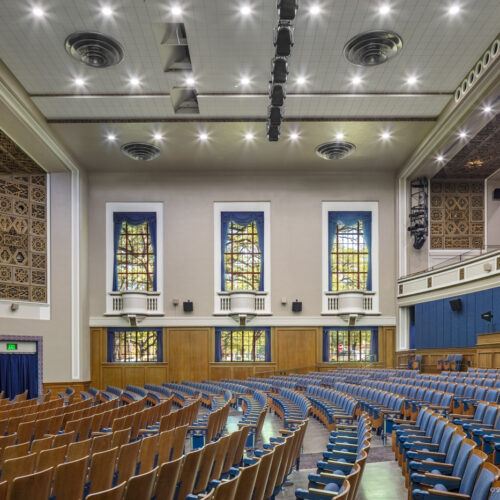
{"points": [[243, 345], [351, 345], [140, 346], [349, 258], [135, 258], [242, 257]]}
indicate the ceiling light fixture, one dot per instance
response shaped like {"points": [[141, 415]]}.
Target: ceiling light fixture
{"points": [[190, 81], [79, 82], [314, 9], [107, 11], [385, 136], [111, 137], [203, 136], [245, 10], [134, 81], [176, 10], [440, 158], [487, 109], [462, 134], [339, 136], [158, 136], [356, 80], [411, 80], [301, 80], [249, 136], [37, 11], [454, 9], [294, 136], [384, 9], [244, 81]]}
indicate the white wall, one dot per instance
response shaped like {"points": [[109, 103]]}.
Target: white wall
{"points": [[188, 236]]}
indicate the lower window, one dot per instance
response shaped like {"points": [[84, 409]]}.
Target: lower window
{"points": [[350, 344], [135, 345], [243, 344]]}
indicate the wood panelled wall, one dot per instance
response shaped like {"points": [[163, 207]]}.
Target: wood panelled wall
{"points": [[188, 354]]}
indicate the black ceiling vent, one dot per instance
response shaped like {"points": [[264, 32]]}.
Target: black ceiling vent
{"points": [[140, 151], [373, 47], [335, 150], [94, 49]]}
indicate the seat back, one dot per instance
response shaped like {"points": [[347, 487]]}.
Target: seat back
{"points": [[227, 490], [275, 467], [463, 456], [147, 454], [453, 449], [127, 461], [101, 470], [220, 457], [70, 479], [263, 475], [78, 449], [115, 493], [179, 440], [246, 484], [20, 466], [141, 486], [189, 473], [476, 459], [168, 476], [206, 465], [51, 458], [120, 437], [484, 481], [34, 486]]}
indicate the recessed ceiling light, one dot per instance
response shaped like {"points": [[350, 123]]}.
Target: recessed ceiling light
{"points": [[411, 80], [158, 136], [176, 10], [339, 136], [134, 81], [107, 11], [244, 81], [190, 81], [301, 80], [462, 134], [79, 82], [454, 9], [385, 136], [111, 137], [249, 136], [37, 11], [384, 9], [439, 158], [203, 136], [294, 136], [487, 109], [245, 10], [356, 80], [314, 9]]}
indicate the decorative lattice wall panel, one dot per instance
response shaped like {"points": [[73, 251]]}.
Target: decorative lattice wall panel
{"points": [[456, 215], [23, 237]]}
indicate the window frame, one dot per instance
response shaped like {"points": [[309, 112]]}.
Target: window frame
{"points": [[348, 332], [111, 208], [126, 331], [220, 331], [350, 206]]}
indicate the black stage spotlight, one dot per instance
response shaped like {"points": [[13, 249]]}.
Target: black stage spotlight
{"points": [[279, 69], [275, 115], [487, 316], [287, 9], [273, 132], [283, 40], [277, 94]]}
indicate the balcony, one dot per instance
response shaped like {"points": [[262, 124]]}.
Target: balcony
{"points": [[350, 302], [242, 303], [134, 303]]}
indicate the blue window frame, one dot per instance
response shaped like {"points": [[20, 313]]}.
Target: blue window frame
{"points": [[240, 345], [350, 344], [135, 345]]}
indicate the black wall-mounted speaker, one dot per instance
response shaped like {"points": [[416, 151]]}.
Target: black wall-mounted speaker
{"points": [[188, 306], [487, 316], [496, 194], [456, 305], [296, 306]]}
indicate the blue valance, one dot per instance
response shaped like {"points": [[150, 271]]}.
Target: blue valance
{"points": [[134, 219], [350, 219], [218, 342], [373, 340], [111, 341], [242, 219]]}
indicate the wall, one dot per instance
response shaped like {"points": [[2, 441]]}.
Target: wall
{"points": [[437, 326], [56, 332], [188, 221]]}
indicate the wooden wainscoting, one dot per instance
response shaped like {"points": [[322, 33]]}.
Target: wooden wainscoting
{"points": [[430, 357], [296, 348], [241, 371], [188, 353]]}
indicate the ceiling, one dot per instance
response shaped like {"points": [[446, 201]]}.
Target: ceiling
{"points": [[437, 48]]}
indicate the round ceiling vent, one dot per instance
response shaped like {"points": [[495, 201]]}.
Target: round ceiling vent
{"points": [[373, 47], [140, 151], [336, 150], [94, 49]]}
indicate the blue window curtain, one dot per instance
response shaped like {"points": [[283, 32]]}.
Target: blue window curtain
{"points": [[326, 344], [111, 341], [19, 372], [218, 343], [350, 219], [373, 340], [134, 219], [242, 219]]}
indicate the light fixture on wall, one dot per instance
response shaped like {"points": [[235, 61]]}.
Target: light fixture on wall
{"points": [[14, 307]]}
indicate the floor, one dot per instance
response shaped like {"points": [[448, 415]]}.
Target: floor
{"points": [[382, 479]]}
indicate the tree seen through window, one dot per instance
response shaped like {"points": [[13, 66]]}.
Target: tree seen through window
{"points": [[243, 345]]}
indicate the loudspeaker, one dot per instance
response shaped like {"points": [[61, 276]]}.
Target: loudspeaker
{"points": [[496, 194], [487, 316], [456, 305], [296, 306], [287, 9], [188, 306]]}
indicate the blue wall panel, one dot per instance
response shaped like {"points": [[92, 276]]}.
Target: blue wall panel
{"points": [[437, 326]]}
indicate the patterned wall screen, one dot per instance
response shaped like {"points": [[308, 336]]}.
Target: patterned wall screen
{"points": [[457, 215], [23, 237]]}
